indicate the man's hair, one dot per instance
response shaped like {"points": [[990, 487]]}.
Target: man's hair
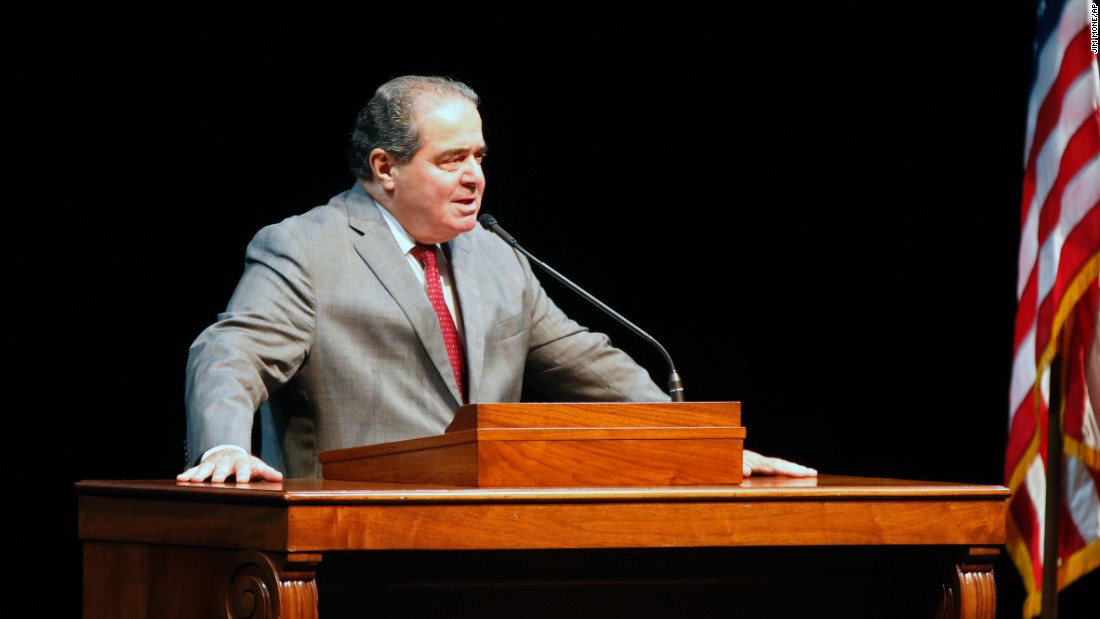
{"points": [[388, 120]]}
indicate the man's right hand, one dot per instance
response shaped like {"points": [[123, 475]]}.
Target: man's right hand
{"points": [[230, 463]]}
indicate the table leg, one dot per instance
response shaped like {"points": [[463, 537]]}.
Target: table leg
{"points": [[150, 581], [969, 591], [273, 586]]}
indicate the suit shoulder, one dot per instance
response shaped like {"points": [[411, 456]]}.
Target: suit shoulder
{"points": [[489, 244], [335, 212]]}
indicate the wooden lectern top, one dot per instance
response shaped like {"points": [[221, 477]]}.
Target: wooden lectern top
{"points": [[596, 415], [561, 445]]}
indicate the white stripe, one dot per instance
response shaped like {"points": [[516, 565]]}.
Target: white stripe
{"points": [[1044, 386], [1082, 499], [1036, 483], [1090, 430], [1029, 243], [1023, 374]]}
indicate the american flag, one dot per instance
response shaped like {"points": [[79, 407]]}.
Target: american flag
{"points": [[1058, 313]]}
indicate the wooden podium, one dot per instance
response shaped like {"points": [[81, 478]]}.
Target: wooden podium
{"points": [[579, 510], [532, 445], [774, 547]]}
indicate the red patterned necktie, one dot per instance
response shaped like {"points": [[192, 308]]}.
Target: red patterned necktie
{"points": [[426, 255]]}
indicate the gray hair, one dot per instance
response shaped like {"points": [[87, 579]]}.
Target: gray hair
{"points": [[388, 120]]}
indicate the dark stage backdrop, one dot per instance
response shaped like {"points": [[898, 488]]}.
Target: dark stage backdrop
{"points": [[815, 209]]}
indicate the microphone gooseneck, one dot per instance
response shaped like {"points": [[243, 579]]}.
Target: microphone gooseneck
{"points": [[675, 386]]}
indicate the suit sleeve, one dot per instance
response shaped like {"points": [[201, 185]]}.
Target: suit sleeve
{"points": [[567, 362], [256, 345]]}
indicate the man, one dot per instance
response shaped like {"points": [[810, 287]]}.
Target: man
{"points": [[331, 308]]}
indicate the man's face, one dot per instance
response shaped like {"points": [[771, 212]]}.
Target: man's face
{"points": [[437, 194]]}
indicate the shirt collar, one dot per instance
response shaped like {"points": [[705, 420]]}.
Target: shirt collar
{"points": [[404, 240]]}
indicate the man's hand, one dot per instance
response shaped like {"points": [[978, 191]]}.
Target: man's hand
{"points": [[226, 463], [753, 462]]}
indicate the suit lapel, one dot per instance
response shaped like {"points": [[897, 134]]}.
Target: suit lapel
{"points": [[380, 251], [470, 298]]}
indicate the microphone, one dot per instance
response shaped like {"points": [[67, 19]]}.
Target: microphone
{"points": [[675, 387]]}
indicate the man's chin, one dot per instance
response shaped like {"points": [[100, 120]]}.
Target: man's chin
{"points": [[466, 223]]}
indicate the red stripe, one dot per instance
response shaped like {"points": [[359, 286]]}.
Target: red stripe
{"points": [[1027, 522], [1069, 537], [1023, 427], [1025, 313]]}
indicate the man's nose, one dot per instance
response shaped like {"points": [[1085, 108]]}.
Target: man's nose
{"points": [[473, 174]]}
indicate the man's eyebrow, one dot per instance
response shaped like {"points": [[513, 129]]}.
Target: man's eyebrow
{"points": [[451, 152]]}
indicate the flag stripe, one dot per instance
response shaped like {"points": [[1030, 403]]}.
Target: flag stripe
{"points": [[1056, 163], [1077, 62], [1057, 291], [1081, 191], [1052, 38]]}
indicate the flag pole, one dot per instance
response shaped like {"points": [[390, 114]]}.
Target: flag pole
{"points": [[1052, 507]]}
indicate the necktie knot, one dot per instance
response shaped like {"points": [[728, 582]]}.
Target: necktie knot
{"points": [[425, 254]]}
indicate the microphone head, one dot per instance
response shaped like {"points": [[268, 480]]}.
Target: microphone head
{"points": [[487, 221]]}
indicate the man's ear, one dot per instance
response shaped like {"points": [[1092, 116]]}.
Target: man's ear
{"points": [[383, 167]]}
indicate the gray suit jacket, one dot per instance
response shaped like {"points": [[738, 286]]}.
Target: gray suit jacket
{"points": [[328, 307]]}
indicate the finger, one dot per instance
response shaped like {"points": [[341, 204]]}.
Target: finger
{"points": [[188, 475], [269, 473], [222, 469], [196, 473], [792, 469]]}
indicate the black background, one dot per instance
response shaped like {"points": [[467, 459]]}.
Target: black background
{"points": [[815, 209]]}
